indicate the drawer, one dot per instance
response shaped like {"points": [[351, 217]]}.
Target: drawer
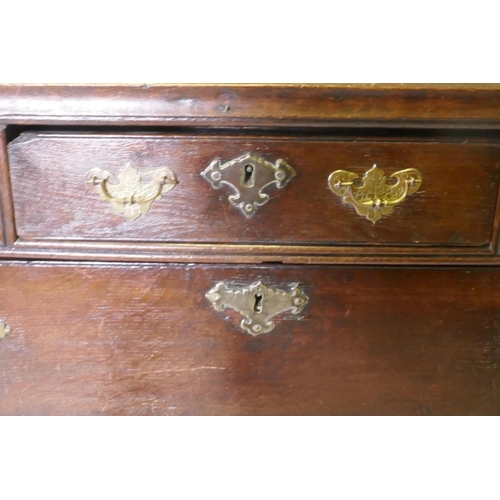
{"points": [[145, 339], [453, 206]]}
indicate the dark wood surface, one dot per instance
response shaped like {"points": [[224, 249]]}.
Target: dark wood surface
{"points": [[384, 337], [131, 340], [7, 219], [455, 205], [254, 105], [247, 254]]}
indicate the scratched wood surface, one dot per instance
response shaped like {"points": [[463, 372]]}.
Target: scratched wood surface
{"points": [[142, 339], [255, 105], [454, 206]]}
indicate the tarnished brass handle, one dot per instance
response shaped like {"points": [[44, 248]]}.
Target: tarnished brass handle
{"points": [[372, 196], [4, 329], [258, 303], [131, 196], [248, 175]]}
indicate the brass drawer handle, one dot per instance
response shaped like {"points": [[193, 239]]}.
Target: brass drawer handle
{"points": [[258, 303], [248, 175], [4, 329], [131, 196], [372, 196]]}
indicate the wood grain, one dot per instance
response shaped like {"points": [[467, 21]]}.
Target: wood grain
{"points": [[247, 254], [253, 105], [383, 334], [143, 340], [455, 205], [8, 230]]}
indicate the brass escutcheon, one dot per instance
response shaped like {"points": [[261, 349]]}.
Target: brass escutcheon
{"points": [[258, 303], [131, 196], [248, 175], [372, 196]]}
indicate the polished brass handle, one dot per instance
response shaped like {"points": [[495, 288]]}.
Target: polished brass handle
{"points": [[4, 329], [372, 196], [132, 195], [258, 303], [248, 175]]}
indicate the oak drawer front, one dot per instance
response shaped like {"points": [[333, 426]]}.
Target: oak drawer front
{"points": [[454, 205], [146, 340]]}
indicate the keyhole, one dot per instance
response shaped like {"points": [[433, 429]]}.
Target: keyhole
{"points": [[248, 179], [258, 303]]}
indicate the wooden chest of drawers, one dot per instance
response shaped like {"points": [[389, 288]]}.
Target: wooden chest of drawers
{"points": [[250, 250]]}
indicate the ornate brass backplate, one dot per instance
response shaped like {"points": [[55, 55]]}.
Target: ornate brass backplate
{"points": [[132, 195], [4, 329], [248, 175], [372, 196], [258, 303]]}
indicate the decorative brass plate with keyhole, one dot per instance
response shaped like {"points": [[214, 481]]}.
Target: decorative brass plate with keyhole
{"points": [[4, 329], [132, 195], [372, 196], [258, 303], [248, 175]]}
